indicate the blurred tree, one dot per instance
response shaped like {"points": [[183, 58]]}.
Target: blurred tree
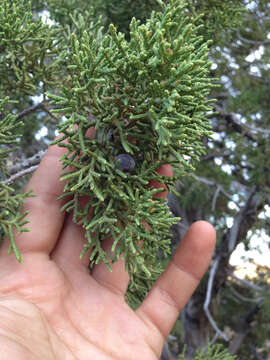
{"points": [[231, 182], [230, 188]]}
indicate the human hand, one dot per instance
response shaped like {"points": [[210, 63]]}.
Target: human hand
{"points": [[51, 308]]}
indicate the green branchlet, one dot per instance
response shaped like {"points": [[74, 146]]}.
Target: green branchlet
{"points": [[214, 352], [147, 97], [11, 216], [28, 66], [27, 50], [220, 18]]}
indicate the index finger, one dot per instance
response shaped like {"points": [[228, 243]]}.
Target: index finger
{"points": [[45, 217]]}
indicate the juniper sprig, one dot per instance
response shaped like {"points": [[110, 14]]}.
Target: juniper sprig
{"points": [[146, 97], [11, 216]]}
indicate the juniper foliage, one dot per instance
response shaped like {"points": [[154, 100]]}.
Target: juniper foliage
{"points": [[27, 47], [219, 17], [215, 352], [11, 202], [146, 97]]}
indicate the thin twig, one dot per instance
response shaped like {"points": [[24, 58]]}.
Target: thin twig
{"points": [[209, 156], [244, 298], [26, 163], [49, 113], [239, 126], [253, 42], [208, 298], [215, 198], [213, 183], [242, 214], [20, 174], [215, 337], [29, 110], [246, 283]]}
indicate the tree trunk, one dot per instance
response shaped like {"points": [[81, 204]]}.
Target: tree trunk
{"points": [[196, 326]]}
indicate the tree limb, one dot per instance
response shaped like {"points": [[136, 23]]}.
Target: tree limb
{"points": [[231, 118], [244, 298], [244, 328], [219, 187], [208, 298], [251, 204], [20, 174], [29, 110], [253, 42], [33, 160], [24, 167], [246, 283]]}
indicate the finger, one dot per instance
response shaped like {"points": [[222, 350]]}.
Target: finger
{"points": [[115, 280], [69, 248], [166, 170], [45, 218], [67, 256], [72, 239], [175, 286]]}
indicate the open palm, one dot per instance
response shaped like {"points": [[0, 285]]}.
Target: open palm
{"points": [[51, 308]]}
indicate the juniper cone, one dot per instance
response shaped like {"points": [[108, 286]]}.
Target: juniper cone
{"points": [[125, 162]]}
